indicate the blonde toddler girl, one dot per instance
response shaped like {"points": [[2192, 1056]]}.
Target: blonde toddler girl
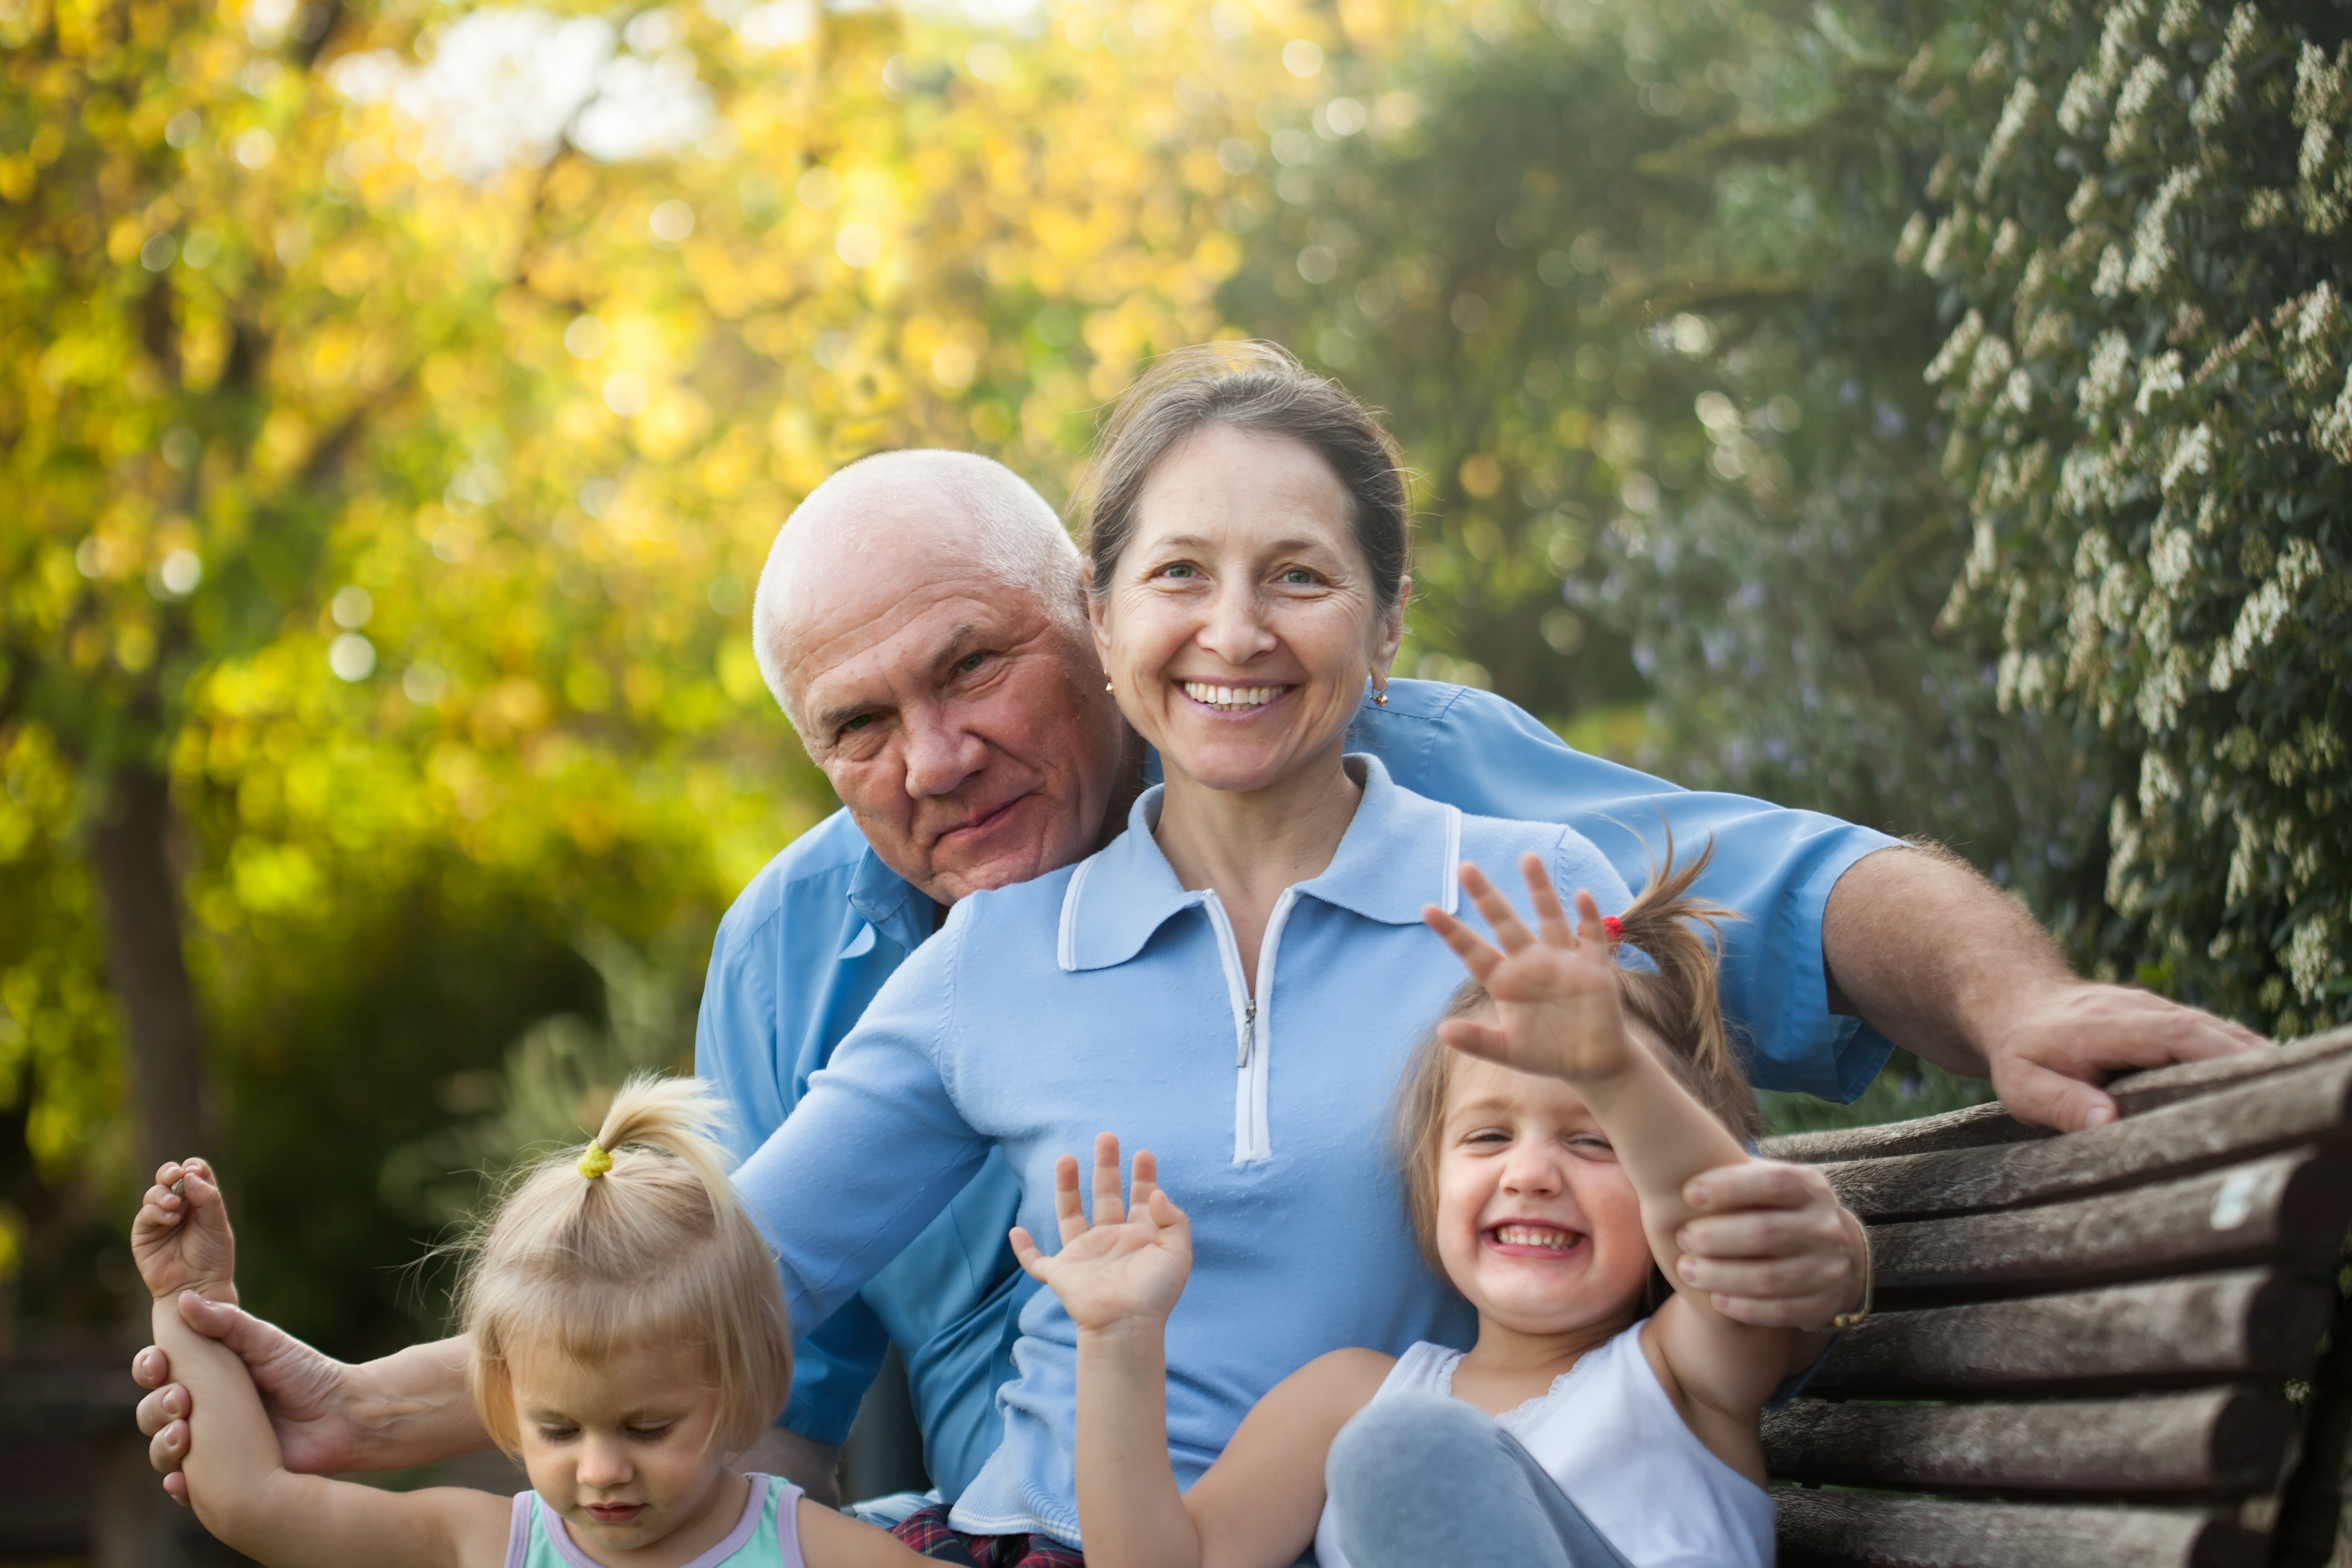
{"points": [[628, 1332]]}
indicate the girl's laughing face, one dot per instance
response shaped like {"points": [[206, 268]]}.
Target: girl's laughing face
{"points": [[1538, 1224]]}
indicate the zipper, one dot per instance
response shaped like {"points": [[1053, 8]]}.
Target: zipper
{"points": [[1253, 1138]]}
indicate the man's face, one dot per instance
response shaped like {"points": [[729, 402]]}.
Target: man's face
{"points": [[963, 726]]}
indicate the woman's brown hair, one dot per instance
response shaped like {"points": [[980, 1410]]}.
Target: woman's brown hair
{"points": [[1678, 1003], [1261, 388]]}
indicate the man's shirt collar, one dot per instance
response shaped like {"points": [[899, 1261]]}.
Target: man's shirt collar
{"points": [[1400, 852], [895, 906]]}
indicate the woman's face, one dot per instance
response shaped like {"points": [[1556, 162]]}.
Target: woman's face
{"points": [[1243, 623], [1538, 1224]]}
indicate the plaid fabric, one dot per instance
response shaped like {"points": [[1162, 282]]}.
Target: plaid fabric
{"points": [[926, 1530]]}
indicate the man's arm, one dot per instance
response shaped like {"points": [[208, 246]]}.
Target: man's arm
{"points": [[408, 1408], [1928, 952]]}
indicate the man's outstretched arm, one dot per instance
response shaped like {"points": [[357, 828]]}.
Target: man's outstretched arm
{"points": [[408, 1408], [1931, 954]]}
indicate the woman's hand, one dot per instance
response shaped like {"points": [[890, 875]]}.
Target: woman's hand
{"points": [[1130, 1264], [181, 1239], [1556, 1000]]}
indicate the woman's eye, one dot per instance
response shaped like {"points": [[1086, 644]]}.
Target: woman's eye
{"points": [[1298, 577], [1180, 569]]}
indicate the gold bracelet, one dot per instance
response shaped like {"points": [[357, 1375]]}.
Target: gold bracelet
{"points": [[1846, 1320]]}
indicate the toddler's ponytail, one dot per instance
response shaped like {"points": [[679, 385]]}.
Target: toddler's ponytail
{"points": [[633, 1240]]}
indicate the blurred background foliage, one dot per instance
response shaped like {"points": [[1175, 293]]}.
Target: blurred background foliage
{"points": [[397, 399]]}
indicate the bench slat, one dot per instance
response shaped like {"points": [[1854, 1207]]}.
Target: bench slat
{"points": [[2289, 1210], [1979, 1126], [2278, 1111], [2248, 1324], [1972, 1127], [2214, 1442], [1844, 1529]]}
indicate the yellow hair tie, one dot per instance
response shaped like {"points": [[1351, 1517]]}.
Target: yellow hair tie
{"points": [[594, 1163]]}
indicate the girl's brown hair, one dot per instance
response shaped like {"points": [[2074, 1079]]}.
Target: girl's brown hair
{"points": [[1259, 387], [654, 1251], [1678, 1003]]}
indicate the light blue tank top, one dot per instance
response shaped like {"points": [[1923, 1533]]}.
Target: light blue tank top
{"points": [[767, 1536]]}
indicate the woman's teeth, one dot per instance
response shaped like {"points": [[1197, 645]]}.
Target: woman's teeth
{"points": [[1231, 697], [1531, 1236]]}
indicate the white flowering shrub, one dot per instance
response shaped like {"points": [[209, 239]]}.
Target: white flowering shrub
{"points": [[2141, 218]]}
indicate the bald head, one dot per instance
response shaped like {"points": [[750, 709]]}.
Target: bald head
{"points": [[900, 516]]}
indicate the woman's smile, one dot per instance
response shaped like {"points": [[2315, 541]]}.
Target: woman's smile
{"points": [[1225, 698]]}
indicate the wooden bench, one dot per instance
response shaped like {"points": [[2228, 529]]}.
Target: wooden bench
{"points": [[2101, 1348]]}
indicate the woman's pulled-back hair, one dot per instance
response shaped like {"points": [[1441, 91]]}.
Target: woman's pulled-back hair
{"points": [[1679, 1005], [1261, 388], [654, 1252]]}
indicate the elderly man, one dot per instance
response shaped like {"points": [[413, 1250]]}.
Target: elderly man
{"points": [[920, 622]]}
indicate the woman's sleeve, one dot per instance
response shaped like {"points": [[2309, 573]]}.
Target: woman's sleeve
{"points": [[873, 1151]]}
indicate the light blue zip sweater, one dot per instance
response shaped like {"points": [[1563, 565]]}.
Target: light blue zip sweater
{"points": [[1107, 997]]}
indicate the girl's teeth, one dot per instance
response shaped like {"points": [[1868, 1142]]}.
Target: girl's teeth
{"points": [[1231, 697], [1519, 1236]]}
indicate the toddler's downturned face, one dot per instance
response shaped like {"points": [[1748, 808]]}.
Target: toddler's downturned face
{"points": [[623, 1449], [1538, 1224]]}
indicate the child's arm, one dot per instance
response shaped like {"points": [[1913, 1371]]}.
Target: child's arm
{"points": [[1557, 1013], [237, 1483], [1119, 1279]]}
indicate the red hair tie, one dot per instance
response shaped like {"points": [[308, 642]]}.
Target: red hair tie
{"points": [[1613, 928]]}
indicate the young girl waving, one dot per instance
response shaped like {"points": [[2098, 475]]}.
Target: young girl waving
{"points": [[627, 1332], [1548, 1127]]}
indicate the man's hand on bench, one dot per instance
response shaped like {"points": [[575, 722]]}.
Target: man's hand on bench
{"points": [[2065, 1039], [1941, 962]]}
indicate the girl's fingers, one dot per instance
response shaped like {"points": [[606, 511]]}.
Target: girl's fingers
{"points": [[1024, 1247], [1549, 916], [1590, 931], [1477, 955], [1473, 1038], [1510, 931], [1108, 1209], [1068, 1212], [1146, 1181]]}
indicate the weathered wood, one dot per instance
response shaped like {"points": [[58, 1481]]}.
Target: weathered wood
{"points": [[1979, 1126], [2289, 1210], [1973, 1127], [1846, 1529], [2144, 1091], [2278, 1111], [2225, 1442], [2247, 1324]]}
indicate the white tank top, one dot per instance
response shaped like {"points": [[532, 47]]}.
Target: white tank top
{"points": [[1608, 1434]]}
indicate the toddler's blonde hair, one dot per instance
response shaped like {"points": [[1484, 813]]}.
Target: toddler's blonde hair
{"points": [[656, 1251], [1679, 1005]]}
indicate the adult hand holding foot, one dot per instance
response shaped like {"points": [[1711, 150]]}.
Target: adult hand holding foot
{"points": [[327, 1416]]}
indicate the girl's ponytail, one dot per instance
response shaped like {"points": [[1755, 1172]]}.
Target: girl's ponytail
{"points": [[1681, 1001], [632, 1241]]}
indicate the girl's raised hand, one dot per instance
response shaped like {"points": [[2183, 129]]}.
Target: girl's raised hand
{"points": [[1555, 1002], [181, 1239], [1130, 1264]]}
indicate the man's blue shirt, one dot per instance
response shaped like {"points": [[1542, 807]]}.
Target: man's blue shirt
{"points": [[810, 941]]}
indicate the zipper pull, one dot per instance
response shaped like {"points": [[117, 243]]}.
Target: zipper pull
{"points": [[1249, 1034]]}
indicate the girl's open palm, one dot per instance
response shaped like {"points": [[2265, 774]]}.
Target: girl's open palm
{"points": [[1556, 1001], [181, 1240], [1130, 1263]]}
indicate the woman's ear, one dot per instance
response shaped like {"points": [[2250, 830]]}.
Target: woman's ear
{"points": [[1391, 629], [1096, 623]]}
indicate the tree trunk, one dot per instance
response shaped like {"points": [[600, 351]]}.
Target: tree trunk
{"points": [[146, 965]]}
